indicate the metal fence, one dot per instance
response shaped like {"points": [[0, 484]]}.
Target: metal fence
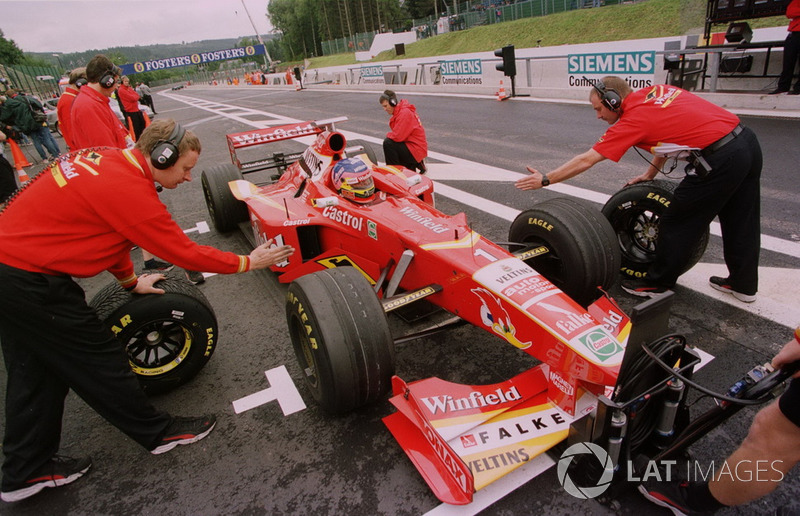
{"points": [[41, 81], [468, 15]]}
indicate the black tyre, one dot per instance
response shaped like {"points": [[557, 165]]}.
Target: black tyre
{"points": [[635, 213], [341, 337], [226, 210], [369, 150], [168, 337], [583, 251]]}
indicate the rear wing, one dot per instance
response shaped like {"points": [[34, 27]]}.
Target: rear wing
{"points": [[280, 160]]}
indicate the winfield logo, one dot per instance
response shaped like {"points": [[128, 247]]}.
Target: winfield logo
{"points": [[474, 400], [423, 219]]}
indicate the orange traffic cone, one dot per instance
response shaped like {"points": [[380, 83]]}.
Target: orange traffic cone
{"points": [[130, 129], [20, 161], [146, 120], [501, 95]]}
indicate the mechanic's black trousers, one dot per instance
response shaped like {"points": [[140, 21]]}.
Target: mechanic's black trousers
{"points": [[397, 153], [732, 192], [53, 341]]}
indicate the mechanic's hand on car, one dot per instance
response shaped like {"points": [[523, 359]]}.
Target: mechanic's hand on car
{"points": [[146, 282], [790, 353], [531, 182], [265, 256]]}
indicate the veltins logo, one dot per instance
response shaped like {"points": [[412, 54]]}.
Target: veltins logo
{"points": [[577, 450]]}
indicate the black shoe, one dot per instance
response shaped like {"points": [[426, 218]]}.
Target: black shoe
{"points": [[794, 92], [724, 285], [672, 495], [184, 430], [58, 471], [422, 168], [642, 288], [195, 277], [158, 265], [778, 91]]}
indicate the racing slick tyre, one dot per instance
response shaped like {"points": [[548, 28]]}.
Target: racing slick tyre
{"points": [[582, 250], [368, 149], [341, 337], [635, 213], [168, 337], [226, 210]]}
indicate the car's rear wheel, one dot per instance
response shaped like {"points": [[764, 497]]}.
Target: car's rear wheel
{"points": [[369, 150], [582, 249], [168, 337], [341, 337], [635, 214], [226, 210]]}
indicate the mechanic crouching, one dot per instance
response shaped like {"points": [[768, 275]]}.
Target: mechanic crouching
{"points": [[79, 218]]}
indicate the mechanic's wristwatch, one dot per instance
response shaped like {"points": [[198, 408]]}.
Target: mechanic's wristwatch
{"points": [[545, 181]]}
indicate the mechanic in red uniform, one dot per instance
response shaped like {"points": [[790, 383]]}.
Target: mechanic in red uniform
{"points": [[130, 106], [93, 122], [77, 79], [722, 178], [78, 219], [405, 144], [770, 450], [791, 52]]}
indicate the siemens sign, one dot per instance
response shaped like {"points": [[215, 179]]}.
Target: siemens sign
{"points": [[461, 71], [614, 63]]}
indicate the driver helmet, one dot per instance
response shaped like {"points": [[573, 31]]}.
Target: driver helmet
{"points": [[352, 178]]}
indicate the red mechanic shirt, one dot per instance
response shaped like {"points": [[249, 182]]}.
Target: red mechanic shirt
{"points": [[664, 120], [82, 214], [64, 108], [129, 98], [93, 122], [793, 13], [406, 127]]}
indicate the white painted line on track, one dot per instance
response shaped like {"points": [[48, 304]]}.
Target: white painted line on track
{"points": [[777, 300]]}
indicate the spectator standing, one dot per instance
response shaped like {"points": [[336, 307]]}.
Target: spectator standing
{"points": [[52, 340], [791, 52], [405, 144], [147, 96], [94, 124], [8, 181], [77, 79], [130, 106], [20, 111], [722, 178]]}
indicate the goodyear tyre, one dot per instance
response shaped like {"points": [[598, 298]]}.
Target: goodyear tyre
{"points": [[168, 337], [341, 337], [635, 213], [226, 210], [583, 252]]}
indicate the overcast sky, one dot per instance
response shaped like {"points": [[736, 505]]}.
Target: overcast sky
{"points": [[75, 26]]}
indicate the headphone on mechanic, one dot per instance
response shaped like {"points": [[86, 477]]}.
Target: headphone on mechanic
{"points": [[80, 83], [608, 96], [109, 77], [390, 97], [165, 152]]}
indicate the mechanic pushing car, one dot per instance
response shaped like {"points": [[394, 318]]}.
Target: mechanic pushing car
{"points": [[722, 178], [99, 203]]}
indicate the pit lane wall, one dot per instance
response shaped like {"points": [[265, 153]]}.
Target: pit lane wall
{"points": [[564, 72]]}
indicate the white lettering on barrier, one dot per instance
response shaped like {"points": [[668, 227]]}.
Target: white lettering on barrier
{"points": [[282, 389]]}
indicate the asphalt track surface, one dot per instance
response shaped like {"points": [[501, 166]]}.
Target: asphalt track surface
{"points": [[270, 460]]}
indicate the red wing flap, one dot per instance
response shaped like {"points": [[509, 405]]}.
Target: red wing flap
{"points": [[271, 134], [433, 470]]}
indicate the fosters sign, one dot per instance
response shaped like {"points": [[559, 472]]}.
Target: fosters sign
{"points": [[637, 68], [193, 59]]}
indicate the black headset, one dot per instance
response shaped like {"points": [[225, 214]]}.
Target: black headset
{"points": [[109, 78], [165, 152], [390, 97], [80, 83], [608, 96]]}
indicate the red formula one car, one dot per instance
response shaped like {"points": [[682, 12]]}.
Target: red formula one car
{"points": [[356, 261]]}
